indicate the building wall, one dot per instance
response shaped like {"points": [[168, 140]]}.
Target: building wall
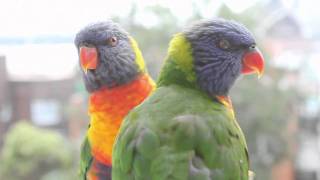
{"points": [[44, 103], [53, 104], [3, 79], [26, 96], [3, 94]]}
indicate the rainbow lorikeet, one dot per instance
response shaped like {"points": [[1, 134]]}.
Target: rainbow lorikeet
{"points": [[115, 75], [186, 129]]}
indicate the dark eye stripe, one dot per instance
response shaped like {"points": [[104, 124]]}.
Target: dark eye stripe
{"points": [[239, 47], [87, 44]]}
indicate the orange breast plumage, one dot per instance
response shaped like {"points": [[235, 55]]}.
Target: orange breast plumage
{"points": [[107, 108]]}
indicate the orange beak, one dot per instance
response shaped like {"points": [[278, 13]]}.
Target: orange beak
{"points": [[88, 58], [253, 62]]}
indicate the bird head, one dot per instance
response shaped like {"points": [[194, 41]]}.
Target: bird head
{"points": [[214, 53], [108, 56]]}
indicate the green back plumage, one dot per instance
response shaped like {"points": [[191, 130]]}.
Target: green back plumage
{"points": [[173, 127], [180, 133]]}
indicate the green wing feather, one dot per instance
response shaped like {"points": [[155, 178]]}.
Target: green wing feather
{"points": [[179, 133], [85, 158]]}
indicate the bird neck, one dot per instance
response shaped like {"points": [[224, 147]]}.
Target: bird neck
{"points": [[138, 55], [225, 100], [178, 68], [121, 99]]}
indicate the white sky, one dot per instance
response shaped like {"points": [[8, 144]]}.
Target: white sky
{"points": [[40, 61], [41, 17], [30, 18], [37, 17]]}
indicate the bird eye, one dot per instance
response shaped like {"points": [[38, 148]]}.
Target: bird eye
{"points": [[112, 41], [224, 44]]}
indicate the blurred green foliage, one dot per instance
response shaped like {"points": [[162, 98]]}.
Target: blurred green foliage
{"points": [[31, 153]]}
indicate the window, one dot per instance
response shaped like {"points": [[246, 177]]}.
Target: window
{"points": [[5, 113], [45, 112]]}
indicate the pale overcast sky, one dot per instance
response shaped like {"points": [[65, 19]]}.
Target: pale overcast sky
{"points": [[25, 18], [30, 18], [42, 17]]}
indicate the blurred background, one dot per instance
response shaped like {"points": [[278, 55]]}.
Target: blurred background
{"points": [[43, 103]]}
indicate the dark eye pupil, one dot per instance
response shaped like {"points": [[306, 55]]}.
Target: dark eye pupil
{"points": [[112, 41], [224, 44]]}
